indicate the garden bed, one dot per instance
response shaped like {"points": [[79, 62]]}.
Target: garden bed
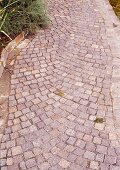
{"points": [[116, 6], [20, 15]]}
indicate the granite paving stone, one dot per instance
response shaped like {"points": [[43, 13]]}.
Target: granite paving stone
{"points": [[59, 87]]}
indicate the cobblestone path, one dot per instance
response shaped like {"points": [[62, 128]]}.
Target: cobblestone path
{"points": [[60, 85]]}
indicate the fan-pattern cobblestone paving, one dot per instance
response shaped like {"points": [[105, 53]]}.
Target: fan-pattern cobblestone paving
{"points": [[60, 85]]}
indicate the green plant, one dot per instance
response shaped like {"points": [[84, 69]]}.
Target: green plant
{"points": [[4, 5], [21, 15]]}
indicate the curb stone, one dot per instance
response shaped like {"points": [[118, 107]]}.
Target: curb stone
{"points": [[9, 51], [112, 24], [8, 57]]}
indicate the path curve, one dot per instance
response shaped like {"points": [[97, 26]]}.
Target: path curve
{"points": [[60, 85]]}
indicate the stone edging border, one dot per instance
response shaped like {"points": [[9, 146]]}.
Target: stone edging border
{"points": [[8, 56], [112, 24], [10, 51]]}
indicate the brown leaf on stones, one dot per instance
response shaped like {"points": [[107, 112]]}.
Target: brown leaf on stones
{"points": [[99, 120], [1, 63], [12, 55], [59, 93]]}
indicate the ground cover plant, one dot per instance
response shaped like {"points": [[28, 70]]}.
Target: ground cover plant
{"points": [[20, 15]]}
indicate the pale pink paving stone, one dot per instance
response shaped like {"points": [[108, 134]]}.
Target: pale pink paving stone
{"points": [[64, 164], [94, 165], [9, 161], [89, 155], [16, 150]]}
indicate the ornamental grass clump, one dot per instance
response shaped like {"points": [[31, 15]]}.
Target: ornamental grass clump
{"points": [[20, 15]]}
